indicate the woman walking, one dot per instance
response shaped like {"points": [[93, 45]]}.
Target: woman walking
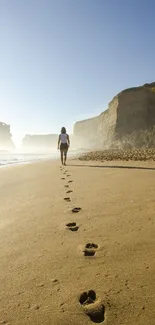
{"points": [[63, 144]]}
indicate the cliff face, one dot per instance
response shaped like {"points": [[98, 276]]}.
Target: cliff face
{"points": [[86, 131], [38, 142], [5, 137], [130, 111]]}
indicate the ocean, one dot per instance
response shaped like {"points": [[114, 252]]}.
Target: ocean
{"points": [[7, 159]]}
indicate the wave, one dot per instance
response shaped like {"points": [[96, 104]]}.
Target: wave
{"points": [[20, 158], [13, 159]]}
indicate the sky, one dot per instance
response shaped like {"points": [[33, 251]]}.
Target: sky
{"points": [[64, 60]]}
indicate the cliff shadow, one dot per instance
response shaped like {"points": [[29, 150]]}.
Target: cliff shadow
{"points": [[114, 167]]}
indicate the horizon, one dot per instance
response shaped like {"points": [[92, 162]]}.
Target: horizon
{"points": [[62, 62]]}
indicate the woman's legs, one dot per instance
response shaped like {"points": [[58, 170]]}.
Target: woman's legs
{"points": [[61, 156], [65, 155]]}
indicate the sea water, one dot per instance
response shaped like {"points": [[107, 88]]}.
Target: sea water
{"points": [[7, 159]]}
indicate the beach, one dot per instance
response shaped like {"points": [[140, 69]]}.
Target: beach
{"points": [[94, 264]]}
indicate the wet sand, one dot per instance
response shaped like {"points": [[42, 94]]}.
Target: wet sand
{"points": [[93, 264]]}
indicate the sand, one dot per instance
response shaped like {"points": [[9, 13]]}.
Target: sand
{"points": [[98, 268]]}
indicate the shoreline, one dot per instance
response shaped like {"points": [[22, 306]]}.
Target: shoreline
{"points": [[74, 162], [16, 159], [28, 162]]}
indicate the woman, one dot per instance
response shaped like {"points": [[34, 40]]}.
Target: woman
{"points": [[63, 144]]}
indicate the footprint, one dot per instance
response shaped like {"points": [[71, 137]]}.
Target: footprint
{"points": [[90, 249], [70, 181], [67, 199], [76, 210], [92, 306], [63, 178], [72, 226], [68, 175], [67, 186], [70, 191]]}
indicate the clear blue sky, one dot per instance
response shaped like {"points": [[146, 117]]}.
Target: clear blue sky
{"points": [[64, 60]]}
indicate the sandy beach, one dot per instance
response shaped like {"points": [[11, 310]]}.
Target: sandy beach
{"points": [[91, 265]]}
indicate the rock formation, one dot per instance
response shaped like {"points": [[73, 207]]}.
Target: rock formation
{"points": [[132, 110], [40, 142], [44, 142], [6, 142]]}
